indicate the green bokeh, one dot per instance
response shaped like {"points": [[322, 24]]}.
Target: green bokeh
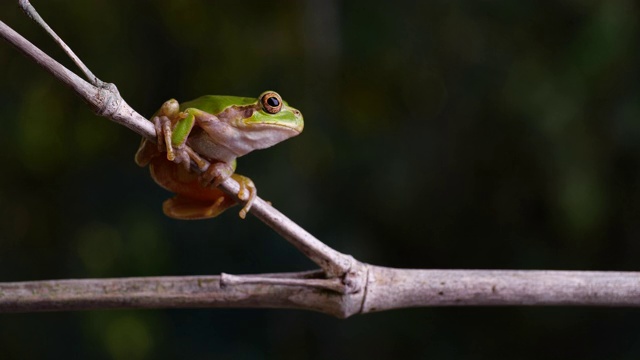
{"points": [[437, 135]]}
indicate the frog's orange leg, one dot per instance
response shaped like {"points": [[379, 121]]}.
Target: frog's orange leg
{"points": [[146, 152], [186, 208], [216, 174], [219, 172]]}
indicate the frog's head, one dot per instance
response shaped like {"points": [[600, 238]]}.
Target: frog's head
{"points": [[272, 111], [267, 121]]}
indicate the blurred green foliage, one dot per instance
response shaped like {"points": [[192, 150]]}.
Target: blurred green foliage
{"points": [[438, 135]]}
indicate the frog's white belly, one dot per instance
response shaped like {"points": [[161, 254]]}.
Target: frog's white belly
{"points": [[226, 143], [204, 145]]}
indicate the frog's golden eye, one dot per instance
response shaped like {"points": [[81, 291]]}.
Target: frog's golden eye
{"points": [[271, 102]]}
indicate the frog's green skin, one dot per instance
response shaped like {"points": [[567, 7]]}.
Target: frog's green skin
{"points": [[218, 129]]}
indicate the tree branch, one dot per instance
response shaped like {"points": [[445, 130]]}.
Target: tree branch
{"points": [[389, 288], [171, 292], [386, 289], [343, 288]]}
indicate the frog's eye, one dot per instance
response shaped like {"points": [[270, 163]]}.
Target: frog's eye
{"points": [[271, 102]]}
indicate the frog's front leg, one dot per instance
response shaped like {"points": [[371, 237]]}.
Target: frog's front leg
{"points": [[163, 121], [172, 129]]}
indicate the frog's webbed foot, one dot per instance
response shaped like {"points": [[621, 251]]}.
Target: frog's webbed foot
{"points": [[219, 172]]}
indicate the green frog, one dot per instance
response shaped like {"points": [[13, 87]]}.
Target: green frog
{"points": [[218, 129]]}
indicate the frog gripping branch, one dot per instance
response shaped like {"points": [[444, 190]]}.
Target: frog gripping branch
{"points": [[218, 129]]}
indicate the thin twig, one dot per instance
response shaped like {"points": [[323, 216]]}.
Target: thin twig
{"points": [[33, 14]]}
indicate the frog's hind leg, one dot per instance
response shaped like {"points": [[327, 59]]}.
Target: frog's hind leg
{"points": [[186, 208], [247, 193], [219, 172]]}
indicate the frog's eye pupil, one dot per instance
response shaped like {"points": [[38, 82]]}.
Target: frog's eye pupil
{"points": [[273, 101]]}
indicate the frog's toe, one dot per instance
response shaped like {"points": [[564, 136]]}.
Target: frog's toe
{"points": [[200, 162], [157, 123], [162, 125], [247, 193]]}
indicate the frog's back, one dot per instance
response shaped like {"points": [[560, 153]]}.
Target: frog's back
{"points": [[215, 104]]}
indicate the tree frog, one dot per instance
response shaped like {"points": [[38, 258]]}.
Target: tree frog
{"points": [[218, 129]]}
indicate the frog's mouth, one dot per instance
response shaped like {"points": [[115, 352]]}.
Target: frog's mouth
{"points": [[296, 128], [278, 122], [293, 127]]}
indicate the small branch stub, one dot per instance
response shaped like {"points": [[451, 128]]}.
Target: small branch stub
{"points": [[333, 284]]}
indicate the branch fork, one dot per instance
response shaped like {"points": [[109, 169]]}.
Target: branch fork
{"points": [[342, 287], [106, 101]]}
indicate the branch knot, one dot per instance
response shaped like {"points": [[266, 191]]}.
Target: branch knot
{"points": [[109, 100]]}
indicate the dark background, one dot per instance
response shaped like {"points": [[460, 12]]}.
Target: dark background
{"points": [[470, 134]]}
